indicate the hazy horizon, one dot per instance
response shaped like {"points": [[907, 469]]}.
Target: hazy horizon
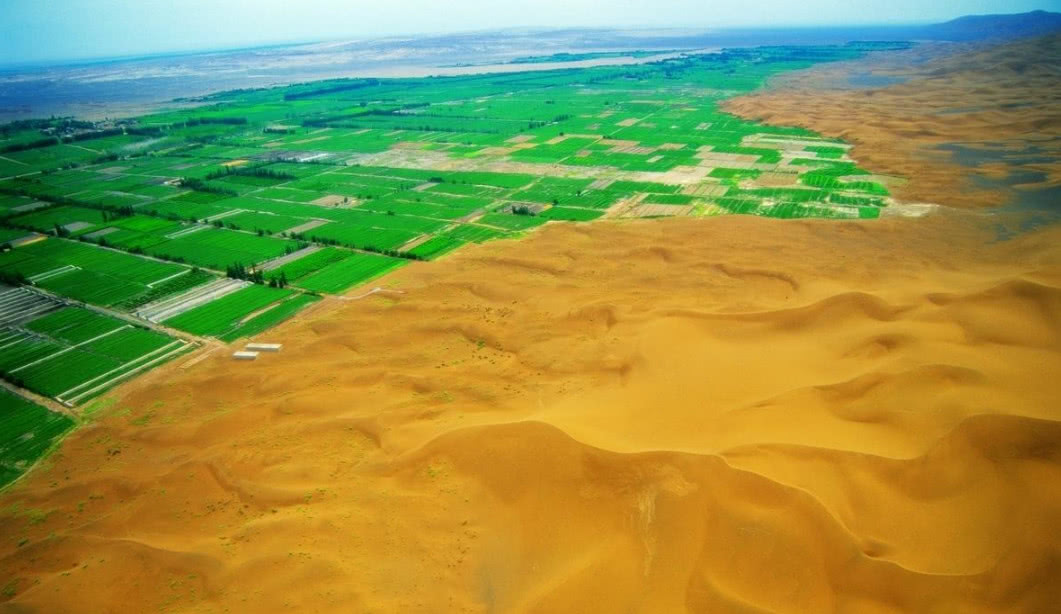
{"points": [[99, 29]]}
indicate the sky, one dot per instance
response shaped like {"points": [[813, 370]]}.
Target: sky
{"points": [[49, 30]]}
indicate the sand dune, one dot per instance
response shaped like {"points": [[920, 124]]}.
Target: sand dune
{"points": [[714, 415], [1000, 104], [687, 415]]}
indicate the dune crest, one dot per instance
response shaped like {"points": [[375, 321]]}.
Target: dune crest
{"points": [[726, 414], [964, 125]]}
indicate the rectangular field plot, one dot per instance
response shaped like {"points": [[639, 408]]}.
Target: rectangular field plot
{"points": [[271, 317], [360, 237], [72, 354], [355, 269], [32, 160], [511, 222], [191, 206], [270, 223], [570, 214], [136, 232], [226, 314], [474, 233], [8, 235], [85, 272], [18, 305], [13, 205], [77, 220], [289, 194], [216, 248], [91, 287], [183, 281], [21, 349], [297, 269], [27, 432], [439, 207], [73, 325], [436, 246], [68, 373]]}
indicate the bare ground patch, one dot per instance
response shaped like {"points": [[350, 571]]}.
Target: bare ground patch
{"points": [[330, 200]]}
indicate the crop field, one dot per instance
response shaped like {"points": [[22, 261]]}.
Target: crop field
{"points": [[216, 248], [10, 234], [72, 325], [571, 214], [271, 317], [72, 354], [436, 246], [318, 187], [27, 432], [224, 315], [511, 222], [87, 273], [354, 269], [134, 233], [13, 205], [297, 269]]}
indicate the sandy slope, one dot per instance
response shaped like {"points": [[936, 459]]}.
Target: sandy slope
{"points": [[715, 415], [1004, 99], [684, 415]]}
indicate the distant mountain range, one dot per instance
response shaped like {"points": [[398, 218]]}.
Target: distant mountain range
{"points": [[981, 27]]}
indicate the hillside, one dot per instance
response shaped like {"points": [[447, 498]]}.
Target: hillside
{"points": [[979, 27]]}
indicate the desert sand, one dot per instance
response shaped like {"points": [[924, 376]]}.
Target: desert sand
{"points": [[702, 415], [1001, 100], [729, 414]]}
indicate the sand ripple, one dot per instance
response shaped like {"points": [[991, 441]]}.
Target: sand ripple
{"points": [[729, 414]]}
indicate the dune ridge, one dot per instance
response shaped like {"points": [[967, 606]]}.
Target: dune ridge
{"points": [[689, 415], [728, 414], [968, 125]]}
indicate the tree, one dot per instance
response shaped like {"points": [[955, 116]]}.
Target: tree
{"points": [[13, 278], [237, 271]]}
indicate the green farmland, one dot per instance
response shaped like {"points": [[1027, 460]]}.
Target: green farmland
{"points": [[84, 272], [354, 269], [390, 165], [225, 315], [317, 188], [222, 221], [27, 432], [73, 354], [271, 317]]}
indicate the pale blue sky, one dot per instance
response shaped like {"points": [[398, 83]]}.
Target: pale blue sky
{"points": [[38, 30]]}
